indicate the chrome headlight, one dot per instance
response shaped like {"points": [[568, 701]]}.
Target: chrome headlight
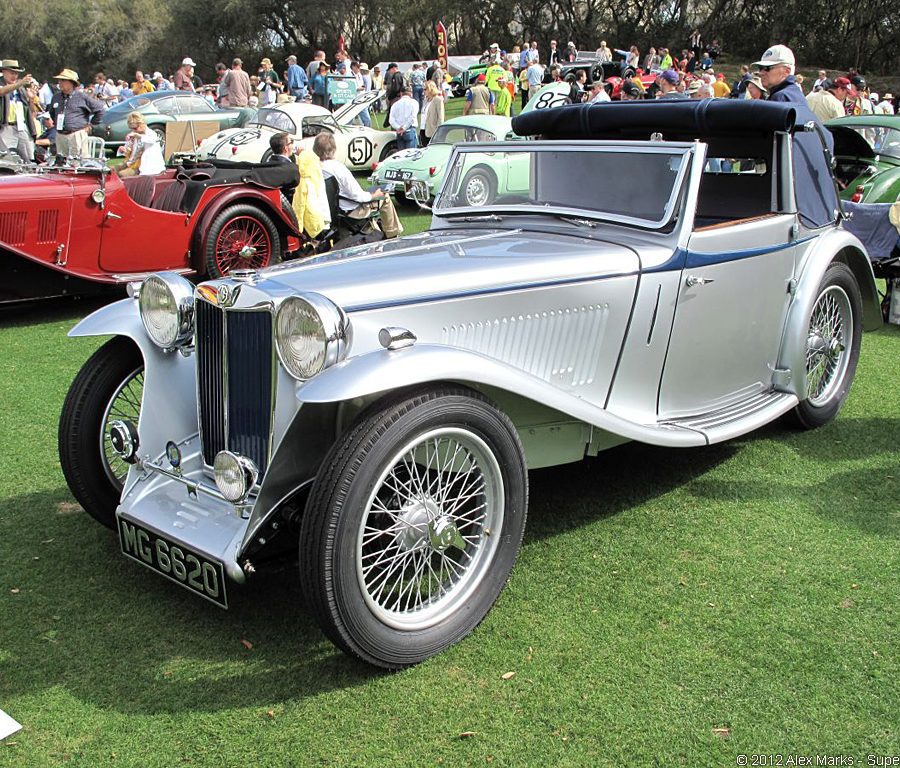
{"points": [[166, 301], [235, 475], [311, 333]]}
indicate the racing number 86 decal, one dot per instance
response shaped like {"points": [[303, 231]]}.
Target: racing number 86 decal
{"points": [[359, 150]]}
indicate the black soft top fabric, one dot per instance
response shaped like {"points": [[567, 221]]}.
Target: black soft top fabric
{"points": [[269, 175], [674, 119]]}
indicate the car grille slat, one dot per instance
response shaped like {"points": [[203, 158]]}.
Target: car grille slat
{"points": [[249, 342], [210, 341], [235, 382]]}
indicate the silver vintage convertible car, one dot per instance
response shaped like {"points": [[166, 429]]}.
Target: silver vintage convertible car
{"points": [[672, 273]]}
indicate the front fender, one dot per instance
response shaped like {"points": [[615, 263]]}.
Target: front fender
{"points": [[838, 245], [386, 370], [163, 417]]}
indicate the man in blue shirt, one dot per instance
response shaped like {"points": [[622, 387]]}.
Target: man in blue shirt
{"points": [[297, 81], [776, 71]]}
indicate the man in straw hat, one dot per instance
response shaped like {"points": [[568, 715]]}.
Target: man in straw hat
{"points": [[16, 128], [73, 113]]}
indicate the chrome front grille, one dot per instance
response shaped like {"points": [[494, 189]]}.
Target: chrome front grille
{"points": [[234, 382]]}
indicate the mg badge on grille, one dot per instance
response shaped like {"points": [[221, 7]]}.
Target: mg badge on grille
{"points": [[223, 294]]}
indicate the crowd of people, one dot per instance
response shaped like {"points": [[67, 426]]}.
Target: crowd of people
{"points": [[60, 113]]}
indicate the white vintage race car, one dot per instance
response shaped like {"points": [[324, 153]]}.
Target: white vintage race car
{"points": [[357, 145]]}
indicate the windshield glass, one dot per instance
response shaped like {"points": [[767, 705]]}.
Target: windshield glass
{"points": [[455, 134], [636, 186], [275, 118], [884, 141]]}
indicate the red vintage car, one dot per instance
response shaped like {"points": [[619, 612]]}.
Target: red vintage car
{"points": [[81, 230]]}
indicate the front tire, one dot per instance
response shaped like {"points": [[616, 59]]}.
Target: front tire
{"points": [[834, 333], [241, 237], [413, 525], [109, 386], [389, 149]]}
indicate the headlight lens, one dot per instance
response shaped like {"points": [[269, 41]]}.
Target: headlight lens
{"points": [[235, 475], [166, 303], [310, 335]]}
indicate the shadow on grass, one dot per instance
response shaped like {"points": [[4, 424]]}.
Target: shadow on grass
{"points": [[111, 633], [106, 631], [54, 310], [617, 479]]}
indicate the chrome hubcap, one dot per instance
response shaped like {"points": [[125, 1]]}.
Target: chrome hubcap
{"points": [[124, 405], [476, 191], [827, 344], [424, 543]]}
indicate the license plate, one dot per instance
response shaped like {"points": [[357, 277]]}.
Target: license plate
{"points": [[392, 175], [174, 561]]}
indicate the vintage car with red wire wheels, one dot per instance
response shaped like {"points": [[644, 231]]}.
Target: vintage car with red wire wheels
{"points": [[81, 230]]}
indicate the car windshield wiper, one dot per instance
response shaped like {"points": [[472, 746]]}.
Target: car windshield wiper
{"points": [[577, 221]]}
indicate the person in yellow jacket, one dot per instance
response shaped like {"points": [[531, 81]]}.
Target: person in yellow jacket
{"points": [[310, 202], [504, 98], [492, 76]]}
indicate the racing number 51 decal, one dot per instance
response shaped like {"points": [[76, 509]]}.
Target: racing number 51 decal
{"points": [[359, 150]]}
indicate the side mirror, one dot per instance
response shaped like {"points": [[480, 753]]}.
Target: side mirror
{"points": [[418, 191]]}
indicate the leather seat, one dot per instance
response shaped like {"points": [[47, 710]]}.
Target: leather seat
{"points": [[140, 189]]}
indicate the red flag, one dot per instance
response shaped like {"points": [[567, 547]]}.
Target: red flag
{"points": [[441, 31]]}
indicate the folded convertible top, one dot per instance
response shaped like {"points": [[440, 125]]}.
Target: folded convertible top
{"points": [[676, 120]]}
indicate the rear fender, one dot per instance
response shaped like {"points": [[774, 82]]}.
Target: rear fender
{"points": [[843, 247], [286, 224]]}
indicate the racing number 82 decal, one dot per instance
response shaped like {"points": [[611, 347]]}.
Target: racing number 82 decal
{"points": [[359, 150]]}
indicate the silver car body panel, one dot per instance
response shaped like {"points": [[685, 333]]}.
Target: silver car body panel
{"points": [[585, 336]]}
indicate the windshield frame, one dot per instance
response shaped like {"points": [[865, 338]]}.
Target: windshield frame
{"points": [[685, 149], [273, 110]]}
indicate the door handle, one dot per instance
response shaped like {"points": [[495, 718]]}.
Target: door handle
{"points": [[111, 215], [693, 280]]}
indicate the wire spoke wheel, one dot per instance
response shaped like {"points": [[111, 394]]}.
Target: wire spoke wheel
{"points": [[124, 405], [425, 539], [827, 348], [243, 243], [413, 525]]}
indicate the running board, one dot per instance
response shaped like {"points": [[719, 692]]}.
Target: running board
{"points": [[737, 418]]}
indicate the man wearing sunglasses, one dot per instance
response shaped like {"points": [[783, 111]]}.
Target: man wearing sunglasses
{"points": [[776, 71]]}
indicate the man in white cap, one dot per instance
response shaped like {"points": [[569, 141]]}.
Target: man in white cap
{"points": [[776, 71], [16, 128], [886, 105], [184, 77]]}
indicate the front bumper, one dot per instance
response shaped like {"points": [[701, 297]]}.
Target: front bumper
{"points": [[200, 521]]}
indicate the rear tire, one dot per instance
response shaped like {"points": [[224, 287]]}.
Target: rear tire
{"points": [[235, 229], [834, 332], [413, 525], [160, 132], [479, 187], [107, 387]]}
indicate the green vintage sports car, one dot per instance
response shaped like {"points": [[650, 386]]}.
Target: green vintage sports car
{"points": [[429, 164], [162, 107], [867, 149]]}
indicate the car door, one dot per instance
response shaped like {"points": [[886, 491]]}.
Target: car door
{"points": [[733, 295]]}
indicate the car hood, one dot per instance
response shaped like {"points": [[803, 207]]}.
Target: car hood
{"points": [[450, 263], [235, 137], [24, 186]]}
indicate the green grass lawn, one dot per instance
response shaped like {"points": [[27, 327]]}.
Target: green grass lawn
{"points": [[669, 607]]}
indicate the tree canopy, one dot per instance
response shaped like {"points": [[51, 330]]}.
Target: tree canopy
{"points": [[119, 37]]}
